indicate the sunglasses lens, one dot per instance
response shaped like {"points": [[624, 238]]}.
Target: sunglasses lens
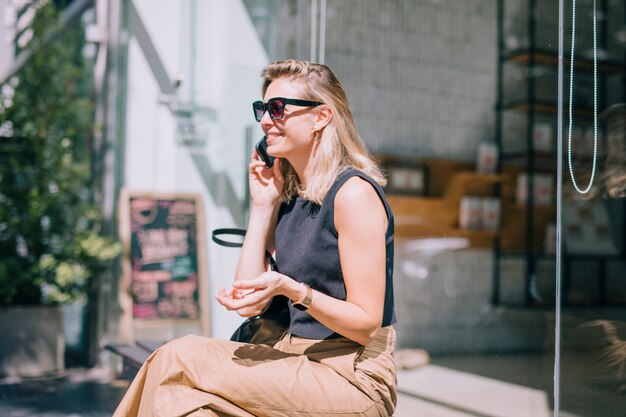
{"points": [[275, 108], [259, 109]]}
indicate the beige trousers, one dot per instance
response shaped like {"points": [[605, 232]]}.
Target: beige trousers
{"points": [[199, 376]]}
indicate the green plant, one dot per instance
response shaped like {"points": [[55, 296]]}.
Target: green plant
{"points": [[50, 248]]}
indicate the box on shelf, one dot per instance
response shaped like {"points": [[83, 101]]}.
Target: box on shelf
{"points": [[542, 136], [543, 189], [587, 229], [487, 158], [470, 213], [479, 213], [490, 213]]}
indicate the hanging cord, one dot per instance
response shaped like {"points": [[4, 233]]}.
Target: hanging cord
{"points": [[595, 101]]}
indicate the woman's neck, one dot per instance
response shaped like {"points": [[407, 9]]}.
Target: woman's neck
{"points": [[304, 165]]}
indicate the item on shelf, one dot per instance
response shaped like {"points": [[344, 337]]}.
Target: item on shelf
{"points": [[407, 179], [542, 136], [550, 239], [487, 158], [578, 142], [521, 189], [587, 229], [470, 213], [490, 213], [543, 189]]}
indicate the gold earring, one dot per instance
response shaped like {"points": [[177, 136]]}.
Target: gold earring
{"points": [[316, 135]]}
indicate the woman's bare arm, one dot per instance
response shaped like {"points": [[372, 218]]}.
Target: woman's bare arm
{"points": [[265, 184]]}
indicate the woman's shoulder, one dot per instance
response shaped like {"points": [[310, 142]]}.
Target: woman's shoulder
{"points": [[357, 190], [359, 204], [353, 174]]}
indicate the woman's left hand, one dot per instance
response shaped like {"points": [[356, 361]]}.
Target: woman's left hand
{"points": [[250, 292]]}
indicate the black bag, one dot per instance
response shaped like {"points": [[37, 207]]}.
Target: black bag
{"points": [[271, 325]]}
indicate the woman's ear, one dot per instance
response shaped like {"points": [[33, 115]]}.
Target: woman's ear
{"points": [[323, 116]]}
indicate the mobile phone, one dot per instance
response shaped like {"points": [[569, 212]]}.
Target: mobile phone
{"points": [[261, 149]]}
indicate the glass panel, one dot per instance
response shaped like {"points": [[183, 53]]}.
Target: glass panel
{"points": [[472, 189], [593, 354]]}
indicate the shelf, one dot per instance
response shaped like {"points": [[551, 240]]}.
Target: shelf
{"points": [[514, 205], [567, 256], [523, 255], [541, 159], [483, 234], [438, 216], [523, 76], [464, 183], [472, 176], [545, 107], [547, 57]]}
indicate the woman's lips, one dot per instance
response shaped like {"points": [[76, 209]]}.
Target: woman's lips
{"points": [[271, 139]]}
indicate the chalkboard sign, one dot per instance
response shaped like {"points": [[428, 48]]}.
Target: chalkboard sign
{"points": [[164, 248]]}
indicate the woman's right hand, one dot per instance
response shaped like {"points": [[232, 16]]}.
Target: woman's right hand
{"points": [[266, 184]]}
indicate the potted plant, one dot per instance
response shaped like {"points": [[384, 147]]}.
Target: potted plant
{"points": [[51, 251]]}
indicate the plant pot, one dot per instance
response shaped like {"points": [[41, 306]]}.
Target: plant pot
{"points": [[32, 342]]}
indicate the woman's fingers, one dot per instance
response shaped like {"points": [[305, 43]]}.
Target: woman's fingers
{"points": [[252, 284], [255, 165], [239, 293], [240, 296], [247, 301]]}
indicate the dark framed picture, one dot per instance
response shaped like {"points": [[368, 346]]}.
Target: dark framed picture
{"points": [[407, 177]]}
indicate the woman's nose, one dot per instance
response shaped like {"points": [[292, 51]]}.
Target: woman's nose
{"points": [[266, 120]]}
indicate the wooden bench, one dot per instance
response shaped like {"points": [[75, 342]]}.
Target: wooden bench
{"points": [[133, 356]]}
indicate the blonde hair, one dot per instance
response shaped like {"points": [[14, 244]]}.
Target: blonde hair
{"points": [[340, 145]]}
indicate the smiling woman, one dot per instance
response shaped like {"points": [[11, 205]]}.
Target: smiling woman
{"points": [[321, 211]]}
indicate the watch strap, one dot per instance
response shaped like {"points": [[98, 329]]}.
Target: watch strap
{"points": [[305, 303]]}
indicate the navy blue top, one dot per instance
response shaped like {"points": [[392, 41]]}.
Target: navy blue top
{"points": [[307, 250]]}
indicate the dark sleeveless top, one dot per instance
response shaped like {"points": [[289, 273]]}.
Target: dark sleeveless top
{"points": [[307, 251]]}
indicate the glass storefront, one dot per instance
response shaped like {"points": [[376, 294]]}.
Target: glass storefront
{"points": [[504, 269]]}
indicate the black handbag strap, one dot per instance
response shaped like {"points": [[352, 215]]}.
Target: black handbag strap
{"points": [[229, 244]]}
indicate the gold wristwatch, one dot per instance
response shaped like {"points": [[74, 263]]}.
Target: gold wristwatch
{"points": [[305, 303]]}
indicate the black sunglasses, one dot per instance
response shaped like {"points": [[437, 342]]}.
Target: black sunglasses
{"points": [[276, 107]]}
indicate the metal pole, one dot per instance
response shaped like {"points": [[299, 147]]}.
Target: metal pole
{"points": [[559, 205], [497, 253], [530, 162], [110, 91], [322, 31], [313, 30]]}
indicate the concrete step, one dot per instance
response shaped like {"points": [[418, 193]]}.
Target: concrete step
{"points": [[465, 394]]}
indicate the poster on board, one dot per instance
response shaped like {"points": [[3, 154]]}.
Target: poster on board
{"points": [[164, 255]]}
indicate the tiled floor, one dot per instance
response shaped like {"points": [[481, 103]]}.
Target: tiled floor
{"points": [[78, 393], [487, 386]]}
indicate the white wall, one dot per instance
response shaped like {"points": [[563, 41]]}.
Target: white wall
{"points": [[7, 26], [420, 75], [221, 72], [449, 310]]}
